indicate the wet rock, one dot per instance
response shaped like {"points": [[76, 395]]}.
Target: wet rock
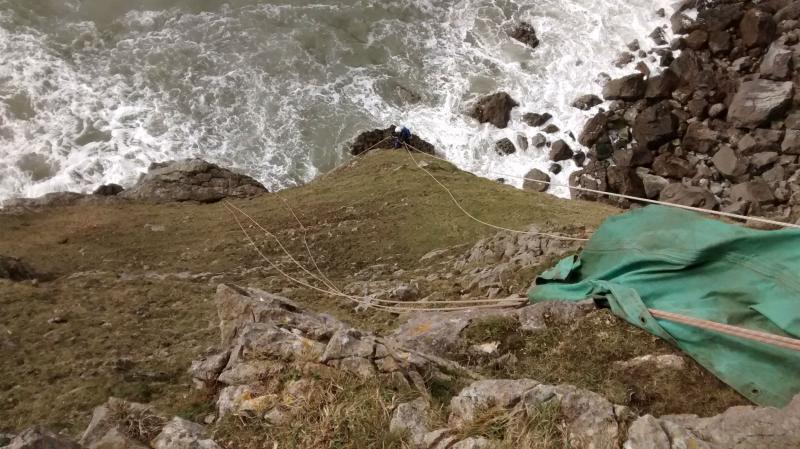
{"points": [[594, 128], [777, 63], [538, 140], [108, 190], [579, 158], [728, 163], [697, 39], [586, 102], [15, 269], [742, 427], [629, 88], [555, 168], [699, 138], [624, 59], [191, 180], [658, 36], [182, 434], [719, 42], [661, 86], [593, 176], [504, 147], [633, 45], [522, 142], [551, 128], [791, 142], [653, 185], [655, 126], [688, 196], [757, 28], [560, 151], [654, 362], [760, 140], [525, 33], [39, 438], [758, 101], [537, 175], [495, 109], [753, 192], [411, 419], [535, 119], [383, 138]]}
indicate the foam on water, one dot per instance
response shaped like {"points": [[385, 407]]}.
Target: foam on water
{"points": [[277, 89]]}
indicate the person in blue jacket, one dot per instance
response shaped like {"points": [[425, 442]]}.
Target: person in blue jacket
{"points": [[402, 135]]}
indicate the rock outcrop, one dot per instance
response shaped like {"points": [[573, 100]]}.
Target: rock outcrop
{"points": [[495, 109], [191, 180], [383, 138]]}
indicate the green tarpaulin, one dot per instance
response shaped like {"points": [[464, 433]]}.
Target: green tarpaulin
{"points": [[677, 261]]}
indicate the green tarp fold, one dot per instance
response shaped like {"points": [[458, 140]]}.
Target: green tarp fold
{"points": [[678, 261]]}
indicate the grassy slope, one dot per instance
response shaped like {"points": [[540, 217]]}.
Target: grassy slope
{"points": [[130, 334]]}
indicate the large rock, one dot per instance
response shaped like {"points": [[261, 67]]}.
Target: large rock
{"points": [[594, 128], [586, 102], [560, 151], [687, 66], [661, 86], [535, 119], [655, 126], [525, 33], [759, 101], [593, 176], [688, 196], [788, 12], [777, 63], [757, 28], [671, 166], [742, 427], [699, 138], [753, 192], [384, 138], [495, 109], [14, 269], [653, 184], [791, 142], [504, 147], [108, 190], [485, 394], [624, 180], [536, 175], [107, 427], [760, 140], [182, 434], [719, 17], [38, 438], [728, 163], [411, 420], [191, 180], [629, 88]]}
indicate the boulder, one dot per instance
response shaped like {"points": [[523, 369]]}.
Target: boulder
{"points": [[678, 193], [485, 394], [671, 166], [653, 185], [191, 180], [592, 176], [624, 59], [586, 102], [743, 427], [633, 157], [411, 420], [108, 190], [791, 142], [183, 434], [555, 168], [560, 151], [697, 107], [719, 17], [38, 438], [661, 86], [699, 138], [757, 28], [753, 192], [655, 126], [535, 119], [383, 138], [106, 426], [525, 33], [697, 39], [15, 269], [759, 101], [788, 12], [762, 161], [728, 163], [536, 175], [594, 128], [522, 142], [551, 128], [719, 42], [777, 63], [629, 88], [579, 158], [53, 199], [504, 147], [681, 23], [495, 109], [760, 140], [658, 36], [624, 180], [539, 140], [687, 66]]}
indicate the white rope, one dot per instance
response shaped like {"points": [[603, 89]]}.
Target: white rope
{"points": [[455, 201]]}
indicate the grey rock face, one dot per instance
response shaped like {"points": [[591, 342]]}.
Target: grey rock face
{"points": [[191, 180], [560, 151], [38, 438], [411, 419], [688, 196], [758, 101], [182, 434]]}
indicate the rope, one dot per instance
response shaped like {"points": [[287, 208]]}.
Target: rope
{"points": [[763, 337], [455, 201]]}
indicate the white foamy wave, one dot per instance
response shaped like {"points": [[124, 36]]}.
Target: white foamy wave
{"points": [[276, 90]]}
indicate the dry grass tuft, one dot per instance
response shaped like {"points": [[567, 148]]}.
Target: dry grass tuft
{"points": [[140, 424], [539, 428]]}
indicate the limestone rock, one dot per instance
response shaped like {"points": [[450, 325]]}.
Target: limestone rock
{"points": [[484, 394], [116, 439], [495, 109], [758, 101], [191, 180], [411, 419], [538, 140], [182, 434], [105, 420], [631, 87], [654, 362], [108, 190], [542, 315]]}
